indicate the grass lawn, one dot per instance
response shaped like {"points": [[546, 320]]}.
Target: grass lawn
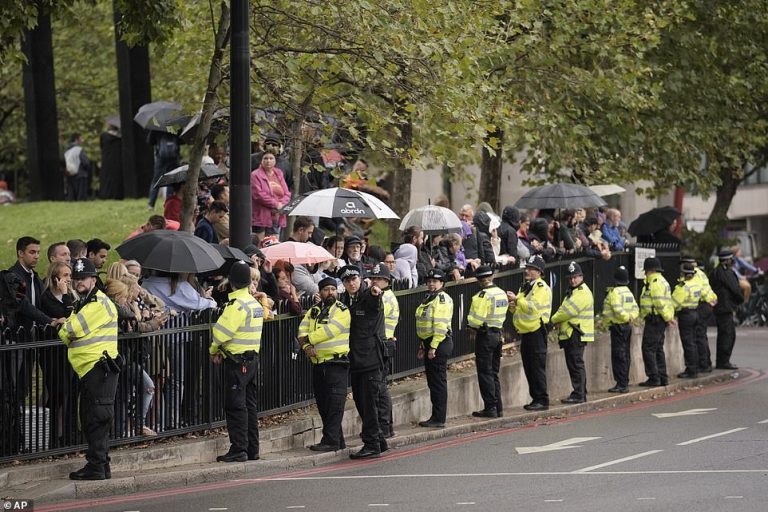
{"points": [[56, 221], [112, 221]]}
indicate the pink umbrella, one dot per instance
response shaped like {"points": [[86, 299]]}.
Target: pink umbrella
{"points": [[297, 253]]}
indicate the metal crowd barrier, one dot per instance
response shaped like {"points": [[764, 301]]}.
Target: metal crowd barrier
{"points": [[168, 384]]}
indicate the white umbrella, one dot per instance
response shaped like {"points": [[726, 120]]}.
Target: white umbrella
{"points": [[432, 220], [607, 190], [340, 202]]}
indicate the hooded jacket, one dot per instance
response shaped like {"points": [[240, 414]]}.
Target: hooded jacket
{"points": [[478, 245], [510, 223]]}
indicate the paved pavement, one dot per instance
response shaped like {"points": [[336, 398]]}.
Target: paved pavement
{"points": [[704, 448]]}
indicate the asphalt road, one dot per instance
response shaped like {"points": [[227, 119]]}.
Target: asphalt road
{"points": [[696, 451]]}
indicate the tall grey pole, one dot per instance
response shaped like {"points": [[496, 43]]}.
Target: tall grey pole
{"points": [[240, 129]]}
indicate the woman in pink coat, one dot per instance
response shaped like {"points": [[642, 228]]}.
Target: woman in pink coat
{"points": [[269, 193]]}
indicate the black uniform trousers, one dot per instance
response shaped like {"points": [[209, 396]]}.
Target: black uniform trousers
{"points": [[437, 377], [365, 392], [329, 380], [488, 362], [97, 411], [533, 350], [621, 359], [384, 403], [705, 357], [686, 323], [726, 337], [653, 349], [241, 403], [573, 349]]}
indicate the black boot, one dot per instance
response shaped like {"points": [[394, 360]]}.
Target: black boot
{"points": [[89, 472]]}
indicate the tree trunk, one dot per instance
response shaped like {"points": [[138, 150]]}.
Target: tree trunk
{"points": [[490, 170], [189, 190], [718, 218], [43, 159], [401, 184]]}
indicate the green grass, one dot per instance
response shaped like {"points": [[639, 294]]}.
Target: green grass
{"points": [[56, 221]]}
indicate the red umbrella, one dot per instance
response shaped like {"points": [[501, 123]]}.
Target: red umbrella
{"points": [[297, 253]]}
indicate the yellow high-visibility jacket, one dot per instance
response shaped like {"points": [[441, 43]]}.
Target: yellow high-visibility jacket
{"points": [[391, 313], [327, 329], [532, 310], [433, 318], [577, 312], [687, 294], [89, 331], [488, 309], [620, 306], [238, 329], [656, 298]]}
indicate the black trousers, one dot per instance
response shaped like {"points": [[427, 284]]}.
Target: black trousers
{"points": [[384, 403], [653, 349], [621, 359], [726, 337], [705, 357], [241, 404], [573, 349], [97, 411], [330, 383], [488, 362], [365, 392], [686, 324], [533, 350], [437, 378]]}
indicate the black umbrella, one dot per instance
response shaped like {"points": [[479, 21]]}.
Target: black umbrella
{"points": [[161, 116], [219, 124], [171, 251], [560, 195], [653, 221], [231, 256], [179, 175]]}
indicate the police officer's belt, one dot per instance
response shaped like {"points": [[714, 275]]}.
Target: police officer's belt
{"points": [[654, 318]]}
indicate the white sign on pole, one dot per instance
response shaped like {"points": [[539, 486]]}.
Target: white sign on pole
{"points": [[642, 254]]}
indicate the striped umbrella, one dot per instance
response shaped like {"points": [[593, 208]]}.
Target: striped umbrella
{"points": [[339, 202]]}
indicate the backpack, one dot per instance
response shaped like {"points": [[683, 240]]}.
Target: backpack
{"points": [[72, 159], [167, 149]]}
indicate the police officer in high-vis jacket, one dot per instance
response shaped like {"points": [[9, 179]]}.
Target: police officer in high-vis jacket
{"points": [[379, 276], [531, 309], [236, 341], [685, 299], [90, 334], [576, 320], [324, 337], [486, 317], [619, 311], [433, 328], [656, 308], [704, 310]]}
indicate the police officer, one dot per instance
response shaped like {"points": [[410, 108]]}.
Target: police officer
{"points": [[685, 299], [725, 284], [576, 320], [486, 316], [704, 310], [90, 334], [366, 356], [619, 311], [531, 309], [236, 341], [656, 308], [433, 328], [379, 276], [324, 337]]}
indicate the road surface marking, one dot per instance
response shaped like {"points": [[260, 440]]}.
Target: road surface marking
{"points": [[560, 445], [296, 506], [378, 504], [640, 499], [764, 421], [219, 509], [617, 461], [689, 412], [466, 503], [553, 501], [734, 497], [699, 439]]}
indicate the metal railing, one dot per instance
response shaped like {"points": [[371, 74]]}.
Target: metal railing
{"points": [[170, 386]]}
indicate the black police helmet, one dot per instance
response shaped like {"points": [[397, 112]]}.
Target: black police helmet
{"points": [[82, 268], [621, 276], [349, 271], [574, 269], [436, 273], [536, 262], [484, 271], [240, 275], [651, 264], [381, 271]]}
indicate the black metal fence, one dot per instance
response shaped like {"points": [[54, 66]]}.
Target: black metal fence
{"points": [[169, 386]]}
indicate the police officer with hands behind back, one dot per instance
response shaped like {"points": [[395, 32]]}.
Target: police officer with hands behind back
{"points": [[433, 328], [531, 308], [366, 356], [656, 308], [379, 276], [704, 310], [486, 316], [619, 311], [236, 341], [576, 320], [685, 298], [324, 338], [90, 334]]}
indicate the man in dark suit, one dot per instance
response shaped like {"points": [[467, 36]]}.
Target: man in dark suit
{"points": [[31, 289]]}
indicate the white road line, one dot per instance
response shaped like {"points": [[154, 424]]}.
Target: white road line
{"points": [[711, 436], [218, 509], [553, 501], [734, 497], [378, 504], [641, 499], [764, 421], [296, 506], [617, 461], [465, 503]]}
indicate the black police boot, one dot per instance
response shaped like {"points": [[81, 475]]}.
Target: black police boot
{"points": [[573, 400], [107, 471], [650, 383], [687, 375], [486, 413], [89, 472], [233, 457], [253, 456], [619, 389], [322, 447], [365, 453], [383, 446], [535, 406], [430, 423]]}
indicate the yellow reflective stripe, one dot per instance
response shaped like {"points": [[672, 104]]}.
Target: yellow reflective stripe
{"points": [[226, 332], [331, 343], [90, 341], [244, 341]]}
